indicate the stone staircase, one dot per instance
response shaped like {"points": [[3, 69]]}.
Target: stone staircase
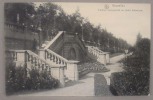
{"points": [[31, 60], [70, 70], [98, 55], [49, 42], [61, 68], [97, 64], [91, 66]]}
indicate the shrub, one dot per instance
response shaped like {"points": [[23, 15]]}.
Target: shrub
{"points": [[129, 83], [135, 79], [17, 80]]}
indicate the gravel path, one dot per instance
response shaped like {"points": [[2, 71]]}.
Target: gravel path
{"points": [[85, 86]]}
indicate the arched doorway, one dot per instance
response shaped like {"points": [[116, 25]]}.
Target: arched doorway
{"points": [[72, 54]]}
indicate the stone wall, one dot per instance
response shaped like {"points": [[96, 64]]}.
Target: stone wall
{"points": [[18, 38]]}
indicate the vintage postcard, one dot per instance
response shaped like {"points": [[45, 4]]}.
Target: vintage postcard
{"points": [[77, 49]]}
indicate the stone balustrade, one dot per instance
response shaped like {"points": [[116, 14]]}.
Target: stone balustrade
{"points": [[52, 57], [54, 39], [70, 71], [20, 27], [102, 57], [32, 61]]}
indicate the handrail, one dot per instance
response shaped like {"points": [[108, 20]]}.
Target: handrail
{"points": [[59, 59], [35, 55], [96, 50], [33, 61], [54, 39], [20, 26], [57, 55], [42, 59]]}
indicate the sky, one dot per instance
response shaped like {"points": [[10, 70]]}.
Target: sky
{"points": [[121, 19]]}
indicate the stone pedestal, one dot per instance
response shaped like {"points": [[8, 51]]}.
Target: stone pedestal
{"points": [[72, 70], [107, 58], [61, 77], [41, 53], [102, 58]]}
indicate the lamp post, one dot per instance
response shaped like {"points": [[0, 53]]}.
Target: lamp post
{"points": [[108, 44], [25, 36], [25, 25], [114, 47], [56, 14], [82, 32], [40, 30]]}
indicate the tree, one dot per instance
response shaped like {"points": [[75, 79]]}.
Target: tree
{"points": [[143, 48], [139, 37], [21, 10]]}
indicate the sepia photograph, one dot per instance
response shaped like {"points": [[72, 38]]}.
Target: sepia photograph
{"points": [[77, 49]]}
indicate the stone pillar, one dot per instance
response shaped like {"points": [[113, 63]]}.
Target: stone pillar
{"points": [[20, 59], [107, 58], [61, 77], [105, 61], [72, 70], [41, 53], [102, 58]]}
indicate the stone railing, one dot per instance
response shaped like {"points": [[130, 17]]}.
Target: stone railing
{"points": [[102, 57], [52, 57], [54, 39], [94, 51], [97, 49], [20, 27], [70, 71], [32, 61]]}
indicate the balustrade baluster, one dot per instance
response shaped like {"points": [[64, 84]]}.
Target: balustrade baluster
{"points": [[53, 58], [63, 62], [13, 54], [56, 60], [47, 66], [42, 66], [36, 60], [49, 70], [27, 56], [46, 69], [38, 65], [31, 59], [45, 53], [16, 56], [59, 61], [50, 56]]}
